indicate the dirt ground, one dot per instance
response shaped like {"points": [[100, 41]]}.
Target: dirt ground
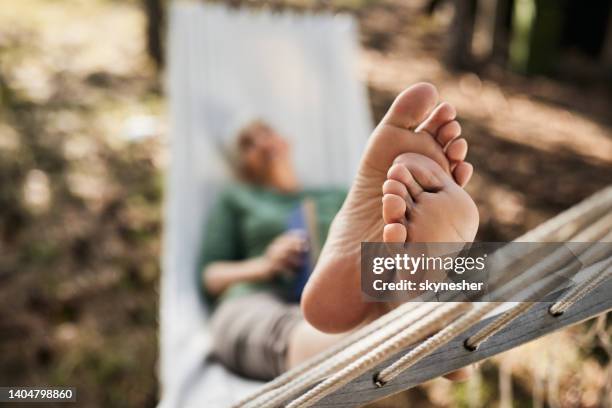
{"points": [[80, 202]]}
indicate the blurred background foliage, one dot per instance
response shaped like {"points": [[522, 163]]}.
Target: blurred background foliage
{"points": [[83, 148]]}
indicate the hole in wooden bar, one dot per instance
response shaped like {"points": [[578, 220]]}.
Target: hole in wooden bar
{"points": [[468, 346], [377, 381]]}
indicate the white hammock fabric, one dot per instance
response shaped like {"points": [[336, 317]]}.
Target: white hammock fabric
{"points": [[227, 67]]}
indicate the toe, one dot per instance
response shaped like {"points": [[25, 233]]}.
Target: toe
{"points": [[463, 173], [394, 187], [394, 208], [448, 132], [399, 172], [399, 189], [394, 233], [412, 106], [425, 172], [457, 150], [443, 114]]}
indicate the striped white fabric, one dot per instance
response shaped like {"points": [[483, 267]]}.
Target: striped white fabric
{"points": [[226, 67]]}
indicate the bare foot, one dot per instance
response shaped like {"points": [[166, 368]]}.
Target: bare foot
{"points": [[421, 203], [332, 300]]}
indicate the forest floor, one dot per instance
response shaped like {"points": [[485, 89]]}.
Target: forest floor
{"points": [[81, 199]]}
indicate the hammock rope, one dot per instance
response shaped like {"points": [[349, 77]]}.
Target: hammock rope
{"points": [[580, 291], [473, 342]]}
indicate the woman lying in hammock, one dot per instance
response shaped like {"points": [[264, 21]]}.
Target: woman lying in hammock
{"points": [[408, 189]]}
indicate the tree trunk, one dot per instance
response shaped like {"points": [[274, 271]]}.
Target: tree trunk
{"points": [[459, 53], [501, 33], [155, 28]]}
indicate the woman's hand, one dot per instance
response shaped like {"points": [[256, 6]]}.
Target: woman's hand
{"points": [[285, 253]]}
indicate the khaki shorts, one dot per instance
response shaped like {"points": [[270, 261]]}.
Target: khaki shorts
{"points": [[251, 334]]}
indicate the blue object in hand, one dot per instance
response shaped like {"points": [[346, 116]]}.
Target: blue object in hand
{"points": [[298, 221]]}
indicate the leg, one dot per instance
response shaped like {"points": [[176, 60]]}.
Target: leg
{"points": [[251, 334], [305, 341]]}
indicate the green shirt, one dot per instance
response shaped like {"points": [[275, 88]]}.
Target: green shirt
{"points": [[246, 219]]}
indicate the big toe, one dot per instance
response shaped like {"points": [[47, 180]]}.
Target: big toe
{"points": [[425, 172], [412, 106]]}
